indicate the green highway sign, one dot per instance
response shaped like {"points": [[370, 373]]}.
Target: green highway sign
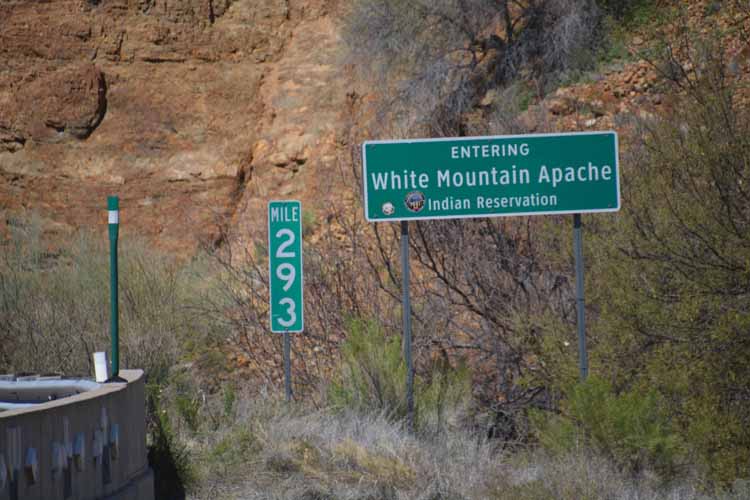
{"points": [[285, 266], [491, 176]]}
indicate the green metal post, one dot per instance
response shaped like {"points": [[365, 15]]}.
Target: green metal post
{"points": [[113, 206]]}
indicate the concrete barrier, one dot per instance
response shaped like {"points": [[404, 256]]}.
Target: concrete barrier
{"points": [[90, 446]]}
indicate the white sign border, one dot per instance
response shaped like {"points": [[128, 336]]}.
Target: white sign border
{"points": [[492, 137], [301, 269]]}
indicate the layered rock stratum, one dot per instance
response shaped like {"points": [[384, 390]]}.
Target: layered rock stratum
{"points": [[194, 112]]}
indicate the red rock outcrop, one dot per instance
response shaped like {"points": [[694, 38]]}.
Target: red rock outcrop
{"points": [[193, 111]]}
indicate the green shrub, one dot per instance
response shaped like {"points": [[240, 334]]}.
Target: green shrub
{"points": [[372, 374], [372, 378], [630, 428], [671, 271]]}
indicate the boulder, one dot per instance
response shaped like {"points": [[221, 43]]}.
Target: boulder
{"points": [[69, 103]]}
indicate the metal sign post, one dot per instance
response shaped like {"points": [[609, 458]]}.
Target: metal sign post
{"points": [[285, 276], [406, 313], [287, 366], [583, 360], [113, 207]]}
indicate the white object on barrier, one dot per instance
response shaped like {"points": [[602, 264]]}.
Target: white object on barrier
{"points": [[100, 366]]}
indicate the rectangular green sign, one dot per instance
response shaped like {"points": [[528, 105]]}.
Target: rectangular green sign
{"points": [[491, 176], [285, 266]]}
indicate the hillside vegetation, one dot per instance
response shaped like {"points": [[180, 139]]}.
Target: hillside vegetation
{"points": [[500, 409]]}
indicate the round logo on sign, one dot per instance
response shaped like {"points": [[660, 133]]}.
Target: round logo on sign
{"points": [[388, 208], [415, 201]]}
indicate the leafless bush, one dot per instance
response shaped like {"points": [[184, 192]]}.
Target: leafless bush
{"points": [[485, 291], [433, 61], [336, 290]]}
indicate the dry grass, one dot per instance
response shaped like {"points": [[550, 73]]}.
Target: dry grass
{"points": [[54, 304], [288, 452]]}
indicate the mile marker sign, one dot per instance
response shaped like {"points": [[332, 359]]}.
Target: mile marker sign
{"points": [[491, 176], [285, 266]]}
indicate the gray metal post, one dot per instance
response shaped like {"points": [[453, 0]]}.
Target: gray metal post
{"points": [[583, 359], [406, 311], [287, 366]]}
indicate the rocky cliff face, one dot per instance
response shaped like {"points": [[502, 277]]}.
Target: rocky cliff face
{"points": [[196, 112], [192, 111]]}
